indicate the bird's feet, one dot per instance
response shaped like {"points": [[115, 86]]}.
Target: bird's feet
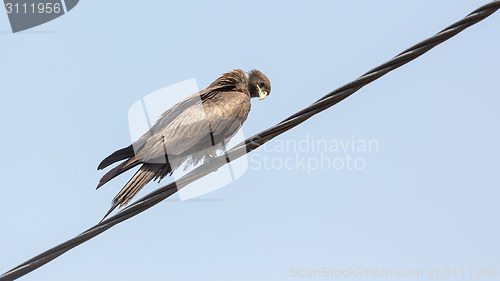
{"points": [[209, 158]]}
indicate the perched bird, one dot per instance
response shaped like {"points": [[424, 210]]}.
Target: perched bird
{"points": [[191, 130]]}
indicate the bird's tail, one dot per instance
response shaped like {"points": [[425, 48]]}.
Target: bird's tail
{"points": [[123, 167], [116, 156], [144, 175]]}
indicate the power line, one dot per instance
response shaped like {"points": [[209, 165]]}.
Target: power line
{"points": [[255, 141]]}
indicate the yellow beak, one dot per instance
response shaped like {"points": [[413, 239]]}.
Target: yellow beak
{"points": [[262, 94]]}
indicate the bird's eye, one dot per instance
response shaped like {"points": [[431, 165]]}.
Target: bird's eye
{"points": [[261, 84]]}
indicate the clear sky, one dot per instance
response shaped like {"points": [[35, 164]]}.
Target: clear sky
{"points": [[423, 196]]}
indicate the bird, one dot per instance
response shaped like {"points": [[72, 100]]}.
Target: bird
{"points": [[188, 132]]}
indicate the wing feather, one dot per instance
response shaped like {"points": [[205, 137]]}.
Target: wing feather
{"points": [[198, 127]]}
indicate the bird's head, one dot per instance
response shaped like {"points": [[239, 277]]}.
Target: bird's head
{"points": [[259, 85]]}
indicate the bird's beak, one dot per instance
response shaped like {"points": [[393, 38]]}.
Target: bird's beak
{"points": [[262, 94]]}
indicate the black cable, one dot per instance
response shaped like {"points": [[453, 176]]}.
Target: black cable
{"points": [[255, 141]]}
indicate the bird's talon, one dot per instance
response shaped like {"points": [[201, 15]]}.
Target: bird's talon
{"points": [[208, 159]]}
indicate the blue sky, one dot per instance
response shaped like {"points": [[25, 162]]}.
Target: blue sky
{"points": [[426, 198]]}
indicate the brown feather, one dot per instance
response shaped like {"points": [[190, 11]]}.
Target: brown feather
{"points": [[118, 155]]}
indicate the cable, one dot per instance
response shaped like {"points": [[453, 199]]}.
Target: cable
{"points": [[255, 141]]}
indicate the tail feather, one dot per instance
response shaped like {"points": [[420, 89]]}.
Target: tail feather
{"points": [[144, 175], [123, 167], [116, 156]]}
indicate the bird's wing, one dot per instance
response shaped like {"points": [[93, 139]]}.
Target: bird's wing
{"points": [[172, 113], [181, 134], [199, 126]]}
